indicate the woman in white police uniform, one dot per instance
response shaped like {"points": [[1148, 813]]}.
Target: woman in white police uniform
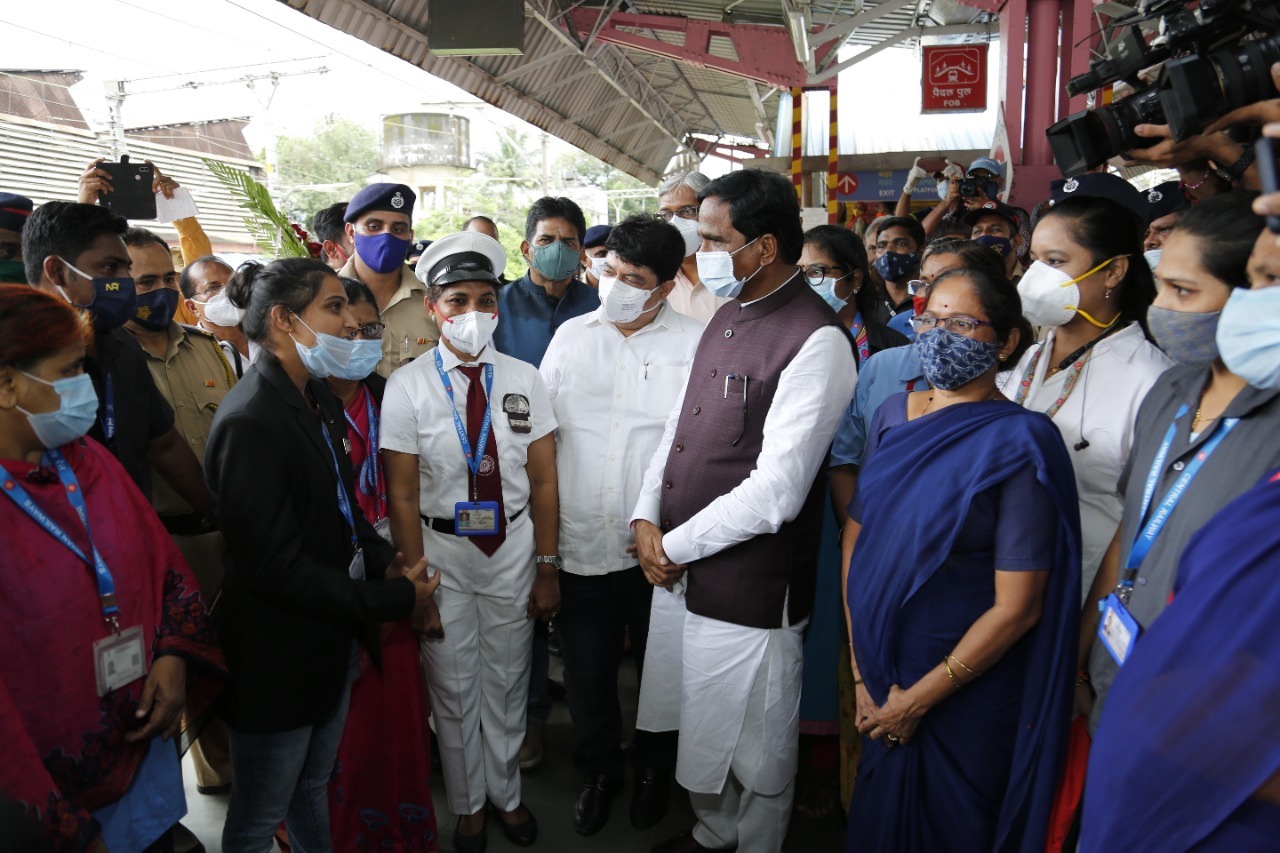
{"points": [[469, 451]]}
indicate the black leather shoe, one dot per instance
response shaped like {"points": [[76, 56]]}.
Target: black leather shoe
{"points": [[520, 834], [651, 798], [591, 811], [471, 843]]}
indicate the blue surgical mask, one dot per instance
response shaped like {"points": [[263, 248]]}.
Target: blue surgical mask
{"points": [[827, 290], [113, 300], [1152, 257], [1249, 336], [383, 252], [1002, 246], [556, 261], [76, 412], [715, 271], [898, 266], [341, 358], [952, 360], [943, 186], [154, 309]]}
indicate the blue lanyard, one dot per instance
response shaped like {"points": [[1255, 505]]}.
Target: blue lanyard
{"points": [[344, 502], [109, 412], [473, 457], [1147, 535], [369, 468], [71, 487]]}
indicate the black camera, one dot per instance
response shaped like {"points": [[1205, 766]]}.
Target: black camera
{"points": [[1210, 69]]}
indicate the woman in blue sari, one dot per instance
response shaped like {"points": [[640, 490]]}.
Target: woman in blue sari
{"points": [[963, 590]]}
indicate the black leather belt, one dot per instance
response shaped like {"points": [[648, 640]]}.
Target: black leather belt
{"points": [[446, 525], [188, 524]]}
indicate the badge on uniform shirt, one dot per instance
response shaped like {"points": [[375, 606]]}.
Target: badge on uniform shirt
{"points": [[119, 660], [475, 518], [1117, 629], [517, 408], [356, 569]]}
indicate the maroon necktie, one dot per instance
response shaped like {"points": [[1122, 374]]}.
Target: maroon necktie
{"points": [[489, 480]]}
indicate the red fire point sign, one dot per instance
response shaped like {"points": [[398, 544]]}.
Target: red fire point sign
{"points": [[954, 79]]}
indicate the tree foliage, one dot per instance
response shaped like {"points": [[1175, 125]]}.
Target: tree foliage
{"points": [[324, 167]]}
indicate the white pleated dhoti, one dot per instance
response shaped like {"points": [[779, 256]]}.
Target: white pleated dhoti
{"points": [[740, 731]]}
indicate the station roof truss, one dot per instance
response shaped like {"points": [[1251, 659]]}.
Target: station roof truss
{"points": [[645, 84]]}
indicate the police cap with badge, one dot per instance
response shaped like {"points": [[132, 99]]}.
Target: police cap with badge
{"points": [[1166, 198], [1105, 185], [465, 256], [396, 198]]}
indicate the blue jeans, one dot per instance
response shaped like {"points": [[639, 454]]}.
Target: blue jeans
{"points": [[285, 776]]}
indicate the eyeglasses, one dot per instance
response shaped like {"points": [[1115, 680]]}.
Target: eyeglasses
{"points": [[210, 292], [371, 331], [916, 285], [817, 272], [960, 325], [687, 212]]}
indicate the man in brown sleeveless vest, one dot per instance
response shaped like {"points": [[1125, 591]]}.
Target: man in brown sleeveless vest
{"points": [[732, 504]]}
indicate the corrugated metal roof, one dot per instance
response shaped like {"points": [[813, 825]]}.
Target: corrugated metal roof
{"points": [[217, 138], [44, 162], [41, 95], [629, 108]]}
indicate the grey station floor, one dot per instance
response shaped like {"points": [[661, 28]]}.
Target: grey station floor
{"points": [[549, 791]]}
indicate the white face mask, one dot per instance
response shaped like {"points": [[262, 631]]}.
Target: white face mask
{"points": [[1153, 257], [1050, 297], [470, 332], [597, 267], [622, 302], [715, 271], [688, 229], [220, 312]]}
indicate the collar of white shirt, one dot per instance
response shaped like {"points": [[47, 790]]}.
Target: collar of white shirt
{"points": [[450, 361], [1122, 344], [665, 319]]}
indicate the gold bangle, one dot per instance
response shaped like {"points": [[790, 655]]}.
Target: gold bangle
{"points": [[857, 681], [955, 682], [962, 664]]}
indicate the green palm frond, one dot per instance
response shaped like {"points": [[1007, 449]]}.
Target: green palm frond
{"points": [[270, 229]]}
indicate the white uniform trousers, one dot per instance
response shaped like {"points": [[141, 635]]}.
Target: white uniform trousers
{"points": [[478, 675], [740, 771]]}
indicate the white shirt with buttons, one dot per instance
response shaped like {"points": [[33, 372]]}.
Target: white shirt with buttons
{"points": [[417, 418], [611, 395]]}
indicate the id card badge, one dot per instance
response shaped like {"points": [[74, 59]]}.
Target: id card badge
{"points": [[475, 518], [1117, 628], [356, 569], [119, 660], [383, 529]]}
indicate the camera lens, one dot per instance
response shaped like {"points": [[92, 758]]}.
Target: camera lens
{"points": [[1087, 139], [1196, 89]]}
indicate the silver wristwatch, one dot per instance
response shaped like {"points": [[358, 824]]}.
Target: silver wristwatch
{"points": [[556, 561]]}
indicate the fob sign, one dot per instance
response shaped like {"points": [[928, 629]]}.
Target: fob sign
{"points": [[954, 79]]}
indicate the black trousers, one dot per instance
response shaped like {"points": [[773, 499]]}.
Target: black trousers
{"points": [[595, 613]]}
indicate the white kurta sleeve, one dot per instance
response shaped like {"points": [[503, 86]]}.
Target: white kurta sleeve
{"points": [[649, 505], [813, 392]]}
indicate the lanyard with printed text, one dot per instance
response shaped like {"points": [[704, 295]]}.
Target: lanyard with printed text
{"points": [[344, 502], [1148, 533], [71, 486], [368, 477], [473, 456]]}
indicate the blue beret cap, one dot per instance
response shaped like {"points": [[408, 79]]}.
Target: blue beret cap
{"points": [[596, 235], [14, 211], [396, 198]]}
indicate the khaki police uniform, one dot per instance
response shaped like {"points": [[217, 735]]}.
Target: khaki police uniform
{"points": [[409, 331], [193, 376]]}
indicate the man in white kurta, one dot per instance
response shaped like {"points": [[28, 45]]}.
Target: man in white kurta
{"points": [[732, 502]]}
